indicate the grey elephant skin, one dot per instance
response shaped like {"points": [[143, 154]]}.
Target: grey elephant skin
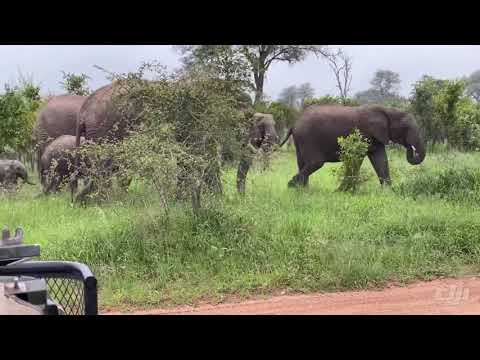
{"points": [[262, 135], [11, 171], [58, 117], [316, 132], [58, 164], [100, 119]]}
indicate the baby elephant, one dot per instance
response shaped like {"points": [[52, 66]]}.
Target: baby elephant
{"points": [[11, 171], [57, 164]]}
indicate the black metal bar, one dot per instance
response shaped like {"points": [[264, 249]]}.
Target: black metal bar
{"points": [[59, 269]]}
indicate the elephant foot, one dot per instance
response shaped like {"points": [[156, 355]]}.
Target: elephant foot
{"points": [[296, 181], [385, 182]]}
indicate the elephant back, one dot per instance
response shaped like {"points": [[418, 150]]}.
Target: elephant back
{"points": [[58, 117], [100, 116]]}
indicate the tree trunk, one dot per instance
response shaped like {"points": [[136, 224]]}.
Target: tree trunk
{"points": [[259, 80]]}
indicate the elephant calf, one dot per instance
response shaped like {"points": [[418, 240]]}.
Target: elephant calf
{"points": [[57, 164], [11, 171]]}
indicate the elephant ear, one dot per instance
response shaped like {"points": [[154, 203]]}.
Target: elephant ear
{"points": [[376, 124]]}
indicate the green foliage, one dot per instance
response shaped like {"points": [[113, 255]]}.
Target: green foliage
{"points": [[283, 114], [454, 183], [18, 106], [331, 100], [75, 84], [353, 149], [272, 239], [446, 115], [178, 125], [226, 61], [257, 58]]}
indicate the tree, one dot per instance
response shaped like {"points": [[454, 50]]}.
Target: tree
{"points": [[75, 84], [305, 92], [387, 83], [17, 117], [385, 87], [473, 85], [289, 96], [283, 114], [341, 65], [258, 57], [445, 114]]}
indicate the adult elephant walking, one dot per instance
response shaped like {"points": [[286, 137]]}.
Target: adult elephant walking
{"points": [[262, 135], [316, 133], [58, 117]]}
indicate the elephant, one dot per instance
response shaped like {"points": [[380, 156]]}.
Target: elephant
{"points": [[11, 171], [316, 132], [100, 119], [58, 117], [58, 163], [262, 134]]}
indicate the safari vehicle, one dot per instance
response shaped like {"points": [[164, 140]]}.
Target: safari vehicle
{"points": [[29, 287]]}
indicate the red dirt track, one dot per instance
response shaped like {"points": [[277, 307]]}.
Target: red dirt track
{"points": [[438, 297]]}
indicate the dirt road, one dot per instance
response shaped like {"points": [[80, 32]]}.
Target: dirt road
{"points": [[446, 296]]}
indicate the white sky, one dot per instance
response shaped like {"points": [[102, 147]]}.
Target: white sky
{"points": [[45, 63]]}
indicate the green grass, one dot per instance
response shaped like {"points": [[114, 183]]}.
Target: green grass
{"points": [[274, 238]]}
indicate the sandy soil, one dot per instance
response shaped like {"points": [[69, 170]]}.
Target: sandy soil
{"points": [[446, 297]]}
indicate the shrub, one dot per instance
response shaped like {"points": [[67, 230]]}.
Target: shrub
{"points": [[178, 124], [460, 184], [353, 149]]}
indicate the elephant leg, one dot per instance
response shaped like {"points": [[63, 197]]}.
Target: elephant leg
{"points": [[73, 184], [379, 161], [243, 167], [89, 187], [51, 188], [302, 177]]}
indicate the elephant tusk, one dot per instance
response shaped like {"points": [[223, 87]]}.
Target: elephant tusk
{"points": [[414, 150]]}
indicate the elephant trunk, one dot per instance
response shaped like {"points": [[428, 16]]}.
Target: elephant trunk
{"points": [[415, 148]]}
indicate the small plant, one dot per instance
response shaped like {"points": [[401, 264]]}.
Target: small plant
{"points": [[353, 149]]}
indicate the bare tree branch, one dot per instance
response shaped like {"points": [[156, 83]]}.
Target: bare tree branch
{"points": [[341, 65]]}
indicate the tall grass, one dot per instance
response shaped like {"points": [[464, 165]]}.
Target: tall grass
{"points": [[274, 237]]}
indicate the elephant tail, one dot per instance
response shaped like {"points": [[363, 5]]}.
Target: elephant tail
{"points": [[290, 132]]}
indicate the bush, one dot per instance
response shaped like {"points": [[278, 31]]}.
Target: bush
{"points": [[445, 114], [460, 184], [18, 106], [178, 124], [353, 149]]}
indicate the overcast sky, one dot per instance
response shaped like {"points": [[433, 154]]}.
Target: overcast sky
{"points": [[45, 63]]}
